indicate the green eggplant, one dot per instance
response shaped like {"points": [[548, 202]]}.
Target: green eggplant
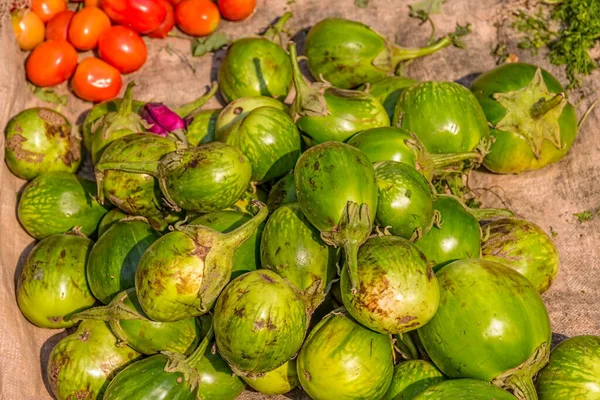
{"points": [[337, 193], [109, 219], [411, 378], [40, 140], [464, 389], [257, 66], [115, 256], [259, 323], [206, 178], [533, 123], [135, 193], [172, 376], [282, 193], [238, 109], [270, 140], [325, 113], [524, 247], [491, 325], [181, 274], [279, 381], [114, 125], [398, 292], [82, 364], [445, 116], [132, 327], [343, 360], [97, 112], [293, 248], [57, 202], [405, 202], [348, 53], [247, 256], [52, 284], [398, 144], [387, 90], [201, 127], [573, 371]]}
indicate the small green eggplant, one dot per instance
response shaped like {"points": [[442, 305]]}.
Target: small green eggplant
{"points": [[279, 381], [109, 219], [201, 127], [348, 53], [282, 193], [325, 113], [257, 66], [238, 109]]}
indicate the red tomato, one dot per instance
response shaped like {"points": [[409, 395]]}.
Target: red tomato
{"points": [[51, 63], [87, 25], [58, 27], [47, 9], [95, 80], [143, 16], [28, 28], [123, 48], [167, 25], [174, 2], [236, 10], [197, 17], [91, 3]]}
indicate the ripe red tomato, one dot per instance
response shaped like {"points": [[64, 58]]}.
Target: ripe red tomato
{"points": [[167, 25], [197, 17], [174, 2], [58, 27], [87, 25], [123, 48], [96, 80], [236, 10], [28, 28], [91, 3], [143, 16], [47, 9], [51, 63]]}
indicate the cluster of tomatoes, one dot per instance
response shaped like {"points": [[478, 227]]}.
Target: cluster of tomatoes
{"points": [[111, 28]]}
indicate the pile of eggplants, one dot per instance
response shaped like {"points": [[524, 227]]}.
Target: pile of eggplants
{"points": [[328, 243]]}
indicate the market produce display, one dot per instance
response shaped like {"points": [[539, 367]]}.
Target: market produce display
{"points": [[330, 244]]}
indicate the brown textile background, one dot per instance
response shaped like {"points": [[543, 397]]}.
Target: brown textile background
{"points": [[548, 197]]}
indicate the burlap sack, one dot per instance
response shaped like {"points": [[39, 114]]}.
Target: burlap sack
{"points": [[548, 197]]}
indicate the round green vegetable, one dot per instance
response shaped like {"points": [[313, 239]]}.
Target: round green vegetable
{"points": [[411, 378], [40, 140], [283, 192], [52, 284], [115, 256], [259, 323], [405, 203], [533, 123], [342, 360], [491, 325], [270, 140], [398, 292], [293, 248], [201, 127], [238, 109], [573, 371], [523, 246], [279, 381], [181, 274], [247, 256], [444, 115], [325, 113], [109, 219], [56, 202], [257, 66], [336, 190], [464, 389], [387, 90], [81, 365]]}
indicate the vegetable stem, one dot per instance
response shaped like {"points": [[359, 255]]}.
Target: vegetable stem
{"points": [[400, 54], [543, 106], [197, 356], [126, 105], [273, 32], [189, 108], [444, 160]]}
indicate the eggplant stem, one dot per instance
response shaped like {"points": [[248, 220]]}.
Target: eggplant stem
{"points": [[197, 355], [519, 380], [543, 106], [239, 235], [404, 53], [406, 346], [483, 214], [189, 108], [274, 31], [138, 167], [127, 103], [444, 160]]}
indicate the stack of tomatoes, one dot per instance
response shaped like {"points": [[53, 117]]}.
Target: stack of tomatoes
{"points": [[111, 28]]}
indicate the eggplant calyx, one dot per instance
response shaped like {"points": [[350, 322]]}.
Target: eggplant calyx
{"points": [[519, 380], [310, 98], [533, 113], [487, 214], [275, 31], [116, 310], [122, 119], [149, 168], [404, 345], [187, 110], [312, 297], [353, 229]]}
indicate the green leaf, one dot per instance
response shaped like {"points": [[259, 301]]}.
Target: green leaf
{"points": [[586, 215], [423, 8], [361, 3], [209, 44], [48, 95]]}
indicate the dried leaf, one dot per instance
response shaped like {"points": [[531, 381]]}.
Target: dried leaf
{"points": [[423, 8], [48, 95], [209, 44]]}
